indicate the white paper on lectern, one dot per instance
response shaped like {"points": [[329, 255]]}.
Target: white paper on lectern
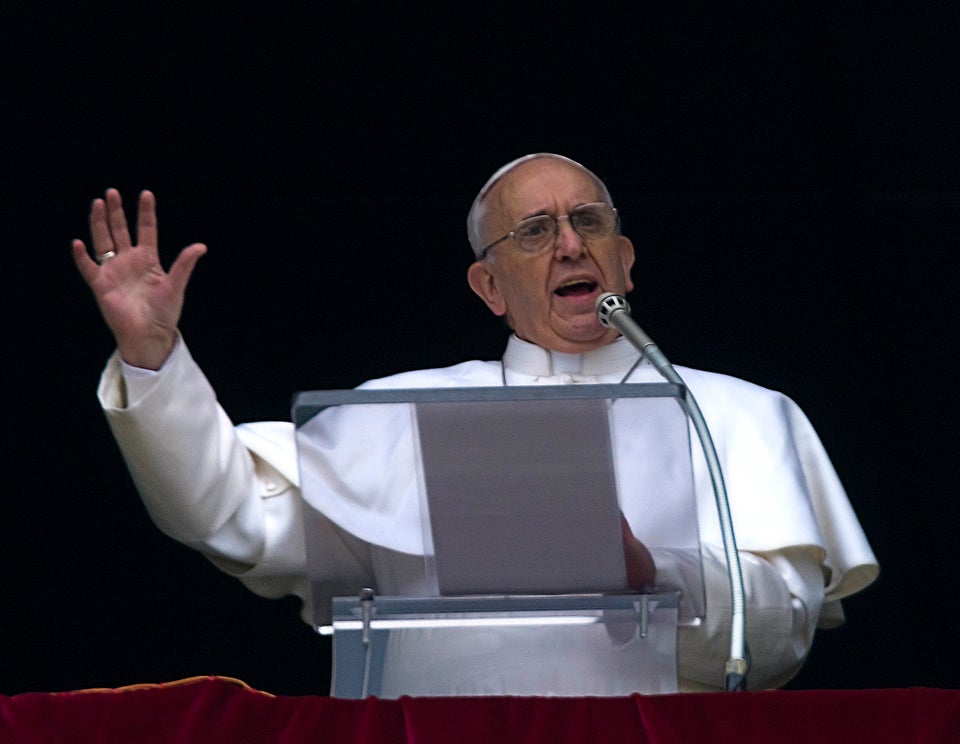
{"points": [[522, 497]]}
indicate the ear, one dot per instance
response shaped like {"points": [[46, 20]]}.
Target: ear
{"points": [[627, 257], [484, 285]]}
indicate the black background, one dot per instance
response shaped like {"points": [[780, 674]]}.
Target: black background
{"points": [[786, 170]]}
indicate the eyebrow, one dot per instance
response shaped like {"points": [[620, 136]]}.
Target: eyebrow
{"points": [[538, 213], [544, 212]]}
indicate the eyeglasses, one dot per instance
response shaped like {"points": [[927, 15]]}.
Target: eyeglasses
{"points": [[535, 235]]}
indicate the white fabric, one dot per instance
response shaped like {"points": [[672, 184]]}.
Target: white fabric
{"points": [[232, 493]]}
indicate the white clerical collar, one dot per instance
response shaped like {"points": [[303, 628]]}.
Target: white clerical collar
{"points": [[529, 359]]}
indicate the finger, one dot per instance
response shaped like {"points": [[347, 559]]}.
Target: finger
{"points": [[117, 221], [99, 230], [147, 220], [183, 267], [86, 265]]}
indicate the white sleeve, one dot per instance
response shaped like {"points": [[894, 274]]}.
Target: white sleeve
{"points": [[231, 493], [199, 484], [784, 592]]}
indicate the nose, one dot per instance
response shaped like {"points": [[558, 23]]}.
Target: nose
{"points": [[569, 244]]}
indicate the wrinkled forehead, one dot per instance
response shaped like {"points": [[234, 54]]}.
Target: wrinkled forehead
{"points": [[481, 207]]}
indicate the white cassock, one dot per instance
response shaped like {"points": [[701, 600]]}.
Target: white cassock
{"points": [[232, 493]]}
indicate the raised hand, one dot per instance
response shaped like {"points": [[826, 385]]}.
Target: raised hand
{"points": [[140, 302]]}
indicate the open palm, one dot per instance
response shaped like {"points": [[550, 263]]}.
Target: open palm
{"points": [[140, 302]]}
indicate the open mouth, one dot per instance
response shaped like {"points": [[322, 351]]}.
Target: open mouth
{"points": [[579, 288]]}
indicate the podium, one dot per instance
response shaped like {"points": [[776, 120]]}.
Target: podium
{"points": [[506, 502]]}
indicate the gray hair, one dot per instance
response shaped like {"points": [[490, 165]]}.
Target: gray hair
{"points": [[478, 210]]}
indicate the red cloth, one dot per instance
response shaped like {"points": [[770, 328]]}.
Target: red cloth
{"points": [[219, 710]]}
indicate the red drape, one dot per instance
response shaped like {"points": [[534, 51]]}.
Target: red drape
{"points": [[221, 710]]}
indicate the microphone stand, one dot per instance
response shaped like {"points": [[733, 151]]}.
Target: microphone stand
{"points": [[614, 312]]}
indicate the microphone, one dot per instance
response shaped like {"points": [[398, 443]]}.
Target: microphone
{"points": [[613, 311]]}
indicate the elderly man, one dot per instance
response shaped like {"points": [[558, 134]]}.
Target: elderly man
{"points": [[546, 239]]}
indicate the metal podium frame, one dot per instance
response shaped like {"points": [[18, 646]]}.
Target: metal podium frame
{"points": [[634, 633]]}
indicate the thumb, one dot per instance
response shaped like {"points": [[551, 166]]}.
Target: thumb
{"points": [[182, 268], [641, 570]]}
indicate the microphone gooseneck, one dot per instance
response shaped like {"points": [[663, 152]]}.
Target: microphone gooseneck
{"points": [[613, 311]]}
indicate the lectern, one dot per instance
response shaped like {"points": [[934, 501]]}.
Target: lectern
{"points": [[506, 503]]}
